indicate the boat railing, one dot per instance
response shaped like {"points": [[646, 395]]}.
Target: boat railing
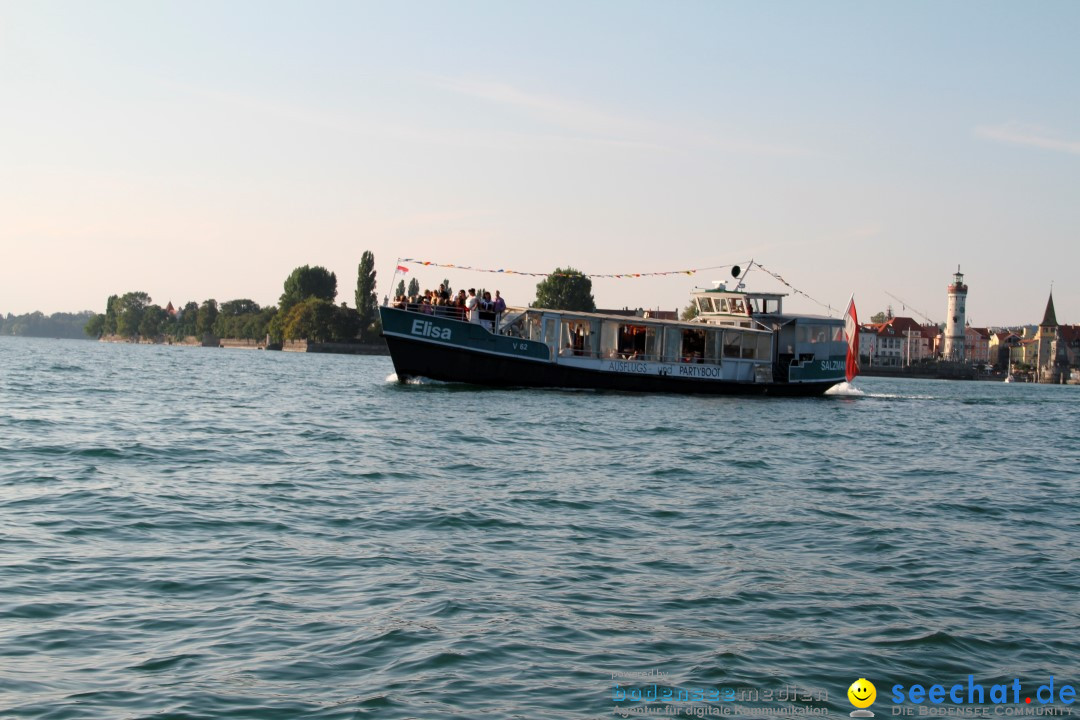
{"points": [[492, 321]]}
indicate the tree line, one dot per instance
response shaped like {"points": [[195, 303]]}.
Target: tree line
{"points": [[38, 324], [305, 311]]}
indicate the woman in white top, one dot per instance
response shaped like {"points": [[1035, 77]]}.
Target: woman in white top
{"points": [[471, 306]]}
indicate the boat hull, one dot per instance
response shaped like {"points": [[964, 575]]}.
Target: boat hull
{"points": [[420, 358]]}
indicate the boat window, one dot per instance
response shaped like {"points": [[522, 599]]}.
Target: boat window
{"points": [[609, 339], [525, 326], [575, 338], [802, 334], [672, 344], [723, 305], [549, 334], [737, 307], [515, 329], [693, 346], [764, 347], [637, 342], [652, 343], [732, 344], [533, 324], [838, 333], [771, 305], [705, 304], [749, 347], [712, 345]]}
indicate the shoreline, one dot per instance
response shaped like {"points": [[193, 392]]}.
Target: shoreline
{"points": [[298, 346]]}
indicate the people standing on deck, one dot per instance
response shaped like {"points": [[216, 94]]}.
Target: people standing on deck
{"points": [[498, 307], [459, 305], [465, 305], [471, 308], [487, 313]]}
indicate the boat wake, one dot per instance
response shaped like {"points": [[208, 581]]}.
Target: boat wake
{"points": [[845, 389], [393, 378]]}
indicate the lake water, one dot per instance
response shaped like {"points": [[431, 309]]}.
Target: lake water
{"points": [[198, 533]]}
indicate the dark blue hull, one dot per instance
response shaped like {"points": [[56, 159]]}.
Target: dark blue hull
{"points": [[421, 358]]}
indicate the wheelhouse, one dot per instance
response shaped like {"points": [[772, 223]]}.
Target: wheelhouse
{"points": [[721, 306]]}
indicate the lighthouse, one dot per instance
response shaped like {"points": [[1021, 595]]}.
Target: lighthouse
{"points": [[954, 321]]}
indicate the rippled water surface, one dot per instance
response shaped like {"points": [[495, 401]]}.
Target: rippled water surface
{"points": [[196, 533]]}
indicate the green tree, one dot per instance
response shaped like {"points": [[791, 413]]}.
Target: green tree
{"points": [[346, 324], [257, 326], [242, 306], [305, 282], [111, 308], [239, 319], [878, 318], [367, 302], [208, 313], [311, 319], [414, 287], [690, 311], [187, 321], [152, 318], [567, 289], [400, 290], [168, 324], [129, 312], [95, 326]]}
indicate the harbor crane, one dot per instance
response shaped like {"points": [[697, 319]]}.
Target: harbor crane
{"points": [[907, 306]]}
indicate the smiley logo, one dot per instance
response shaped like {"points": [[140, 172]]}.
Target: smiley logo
{"points": [[862, 694]]}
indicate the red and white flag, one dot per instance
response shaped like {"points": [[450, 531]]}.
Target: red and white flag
{"points": [[851, 333], [402, 268]]}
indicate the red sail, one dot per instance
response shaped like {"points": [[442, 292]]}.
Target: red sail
{"points": [[851, 332]]}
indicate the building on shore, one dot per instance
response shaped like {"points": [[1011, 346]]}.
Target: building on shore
{"points": [[1001, 347], [977, 345], [898, 342]]}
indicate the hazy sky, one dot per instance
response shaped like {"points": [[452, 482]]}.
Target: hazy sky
{"points": [[204, 149]]}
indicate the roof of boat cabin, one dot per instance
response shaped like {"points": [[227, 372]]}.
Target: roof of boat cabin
{"points": [[625, 320], [755, 293]]}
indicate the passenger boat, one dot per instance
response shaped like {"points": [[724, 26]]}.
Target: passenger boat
{"points": [[740, 343]]}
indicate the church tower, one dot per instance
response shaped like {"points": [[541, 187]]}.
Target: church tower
{"points": [[1049, 365], [954, 321]]}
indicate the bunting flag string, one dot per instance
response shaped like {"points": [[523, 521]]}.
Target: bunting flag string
{"points": [[793, 289], [507, 271], [617, 276]]}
